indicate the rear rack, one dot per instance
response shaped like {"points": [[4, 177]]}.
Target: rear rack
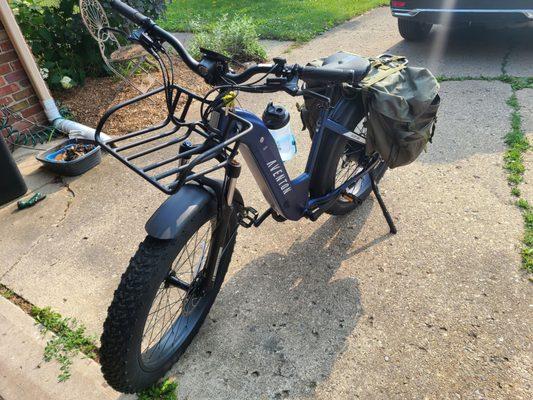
{"points": [[176, 151]]}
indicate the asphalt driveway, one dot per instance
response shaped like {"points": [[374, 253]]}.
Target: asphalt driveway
{"points": [[337, 309]]}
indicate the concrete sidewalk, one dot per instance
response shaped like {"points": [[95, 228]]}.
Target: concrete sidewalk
{"points": [[336, 309], [25, 376]]}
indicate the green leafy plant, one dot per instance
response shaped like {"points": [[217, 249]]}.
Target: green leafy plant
{"points": [[516, 192], [61, 43], [59, 40], [234, 37], [69, 340], [165, 390]]}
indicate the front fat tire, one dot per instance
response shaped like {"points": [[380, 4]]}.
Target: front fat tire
{"points": [[413, 30], [123, 329]]}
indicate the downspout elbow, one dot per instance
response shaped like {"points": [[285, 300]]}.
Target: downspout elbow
{"points": [[72, 128]]}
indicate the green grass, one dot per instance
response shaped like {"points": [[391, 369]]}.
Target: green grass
{"points": [[299, 20], [517, 145], [516, 192], [69, 340], [517, 83], [165, 390], [6, 293], [527, 249], [514, 164]]}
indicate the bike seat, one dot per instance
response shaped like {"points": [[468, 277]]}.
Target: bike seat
{"points": [[343, 60]]}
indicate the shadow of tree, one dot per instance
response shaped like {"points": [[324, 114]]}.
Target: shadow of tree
{"points": [[280, 322]]}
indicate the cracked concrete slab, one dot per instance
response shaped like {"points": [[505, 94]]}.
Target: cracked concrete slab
{"points": [[469, 132], [85, 245], [525, 100], [24, 374], [44, 214], [338, 308]]}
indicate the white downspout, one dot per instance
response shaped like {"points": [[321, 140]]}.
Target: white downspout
{"points": [[73, 129]]}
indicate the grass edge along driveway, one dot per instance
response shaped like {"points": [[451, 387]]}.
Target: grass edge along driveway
{"points": [[298, 20]]}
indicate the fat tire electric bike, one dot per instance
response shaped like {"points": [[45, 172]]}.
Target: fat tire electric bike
{"points": [[173, 279]]}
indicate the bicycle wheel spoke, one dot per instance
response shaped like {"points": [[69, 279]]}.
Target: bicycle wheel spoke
{"points": [[158, 337], [154, 316], [164, 329], [170, 334], [164, 314], [174, 306]]}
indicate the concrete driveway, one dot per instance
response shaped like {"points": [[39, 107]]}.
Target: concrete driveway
{"points": [[337, 309]]}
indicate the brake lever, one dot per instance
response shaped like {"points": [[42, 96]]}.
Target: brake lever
{"points": [[291, 87], [141, 37]]}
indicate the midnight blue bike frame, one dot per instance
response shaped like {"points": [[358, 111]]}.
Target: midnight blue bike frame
{"points": [[291, 198]]}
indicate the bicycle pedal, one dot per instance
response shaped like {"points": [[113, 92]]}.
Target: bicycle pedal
{"points": [[247, 216]]}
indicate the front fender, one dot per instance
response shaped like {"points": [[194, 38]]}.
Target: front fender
{"points": [[172, 216]]}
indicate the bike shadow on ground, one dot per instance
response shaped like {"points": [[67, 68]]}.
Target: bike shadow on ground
{"points": [[281, 321]]}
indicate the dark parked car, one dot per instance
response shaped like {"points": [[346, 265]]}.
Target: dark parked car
{"points": [[416, 17]]}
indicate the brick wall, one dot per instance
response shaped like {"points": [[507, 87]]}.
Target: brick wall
{"points": [[16, 91]]}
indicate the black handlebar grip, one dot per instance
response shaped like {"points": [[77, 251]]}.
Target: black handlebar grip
{"points": [[130, 13], [327, 75]]}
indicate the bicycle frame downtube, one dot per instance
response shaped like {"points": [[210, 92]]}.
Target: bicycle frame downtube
{"points": [[287, 197], [290, 198]]}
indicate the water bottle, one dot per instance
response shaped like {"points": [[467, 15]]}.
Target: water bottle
{"points": [[276, 119]]}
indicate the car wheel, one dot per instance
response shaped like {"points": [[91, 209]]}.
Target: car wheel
{"points": [[413, 30]]}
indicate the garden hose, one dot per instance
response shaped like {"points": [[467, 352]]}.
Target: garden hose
{"points": [[37, 135]]}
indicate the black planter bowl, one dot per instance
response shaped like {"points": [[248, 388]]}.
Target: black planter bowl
{"points": [[70, 168]]}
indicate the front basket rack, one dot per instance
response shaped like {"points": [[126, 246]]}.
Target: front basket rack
{"points": [[177, 150]]}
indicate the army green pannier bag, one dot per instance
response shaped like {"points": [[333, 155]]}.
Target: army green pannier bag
{"points": [[401, 105]]}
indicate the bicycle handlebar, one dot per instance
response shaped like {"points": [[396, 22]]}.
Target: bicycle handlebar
{"points": [[130, 13], [146, 22], [329, 75]]}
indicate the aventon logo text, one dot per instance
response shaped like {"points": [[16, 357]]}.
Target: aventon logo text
{"points": [[280, 177]]}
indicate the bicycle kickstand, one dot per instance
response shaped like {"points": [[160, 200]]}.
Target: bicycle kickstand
{"points": [[386, 213]]}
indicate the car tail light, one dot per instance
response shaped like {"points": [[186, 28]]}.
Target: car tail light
{"points": [[398, 3]]}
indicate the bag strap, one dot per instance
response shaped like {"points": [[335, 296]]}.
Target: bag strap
{"points": [[382, 74], [382, 64], [385, 60]]}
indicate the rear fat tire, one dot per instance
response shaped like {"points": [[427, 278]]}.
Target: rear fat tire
{"points": [[413, 30], [331, 150], [121, 340]]}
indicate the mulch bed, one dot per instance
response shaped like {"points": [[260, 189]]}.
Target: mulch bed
{"points": [[89, 102]]}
